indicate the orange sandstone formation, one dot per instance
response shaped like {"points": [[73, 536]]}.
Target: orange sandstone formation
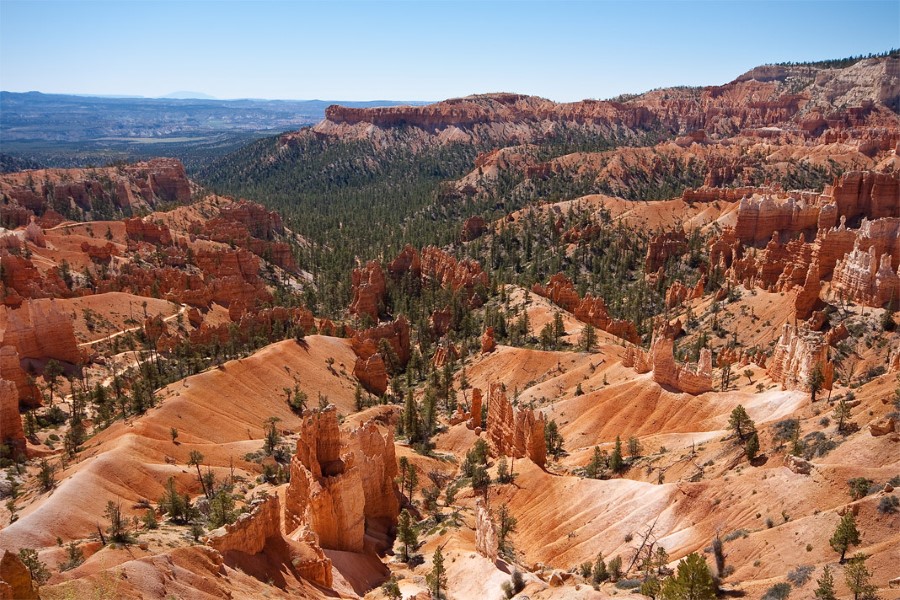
{"points": [[515, 432], [368, 290], [797, 354], [338, 491], [11, 432], [40, 330], [589, 309]]}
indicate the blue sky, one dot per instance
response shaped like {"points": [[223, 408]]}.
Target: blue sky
{"points": [[563, 50]]}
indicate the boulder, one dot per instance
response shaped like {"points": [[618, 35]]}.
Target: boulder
{"points": [[883, 426], [797, 464], [15, 579]]}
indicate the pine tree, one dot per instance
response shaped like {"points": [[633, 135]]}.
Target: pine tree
{"points": [[693, 581], [845, 535], [437, 578], [858, 578], [588, 338], [406, 533], [841, 414], [616, 462], [740, 422], [825, 591], [506, 526], [752, 446]]}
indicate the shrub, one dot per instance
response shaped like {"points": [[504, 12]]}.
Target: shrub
{"points": [[799, 576], [779, 591], [628, 584], [859, 487], [888, 504]]}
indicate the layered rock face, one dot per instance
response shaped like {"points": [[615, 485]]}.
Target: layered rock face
{"points": [[865, 193], [693, 379], [747, 104], [250, 226], [138, 186], [368, 290], [11, 432], [337, 489], [589, 309], [797, 354], [515, 432], [40, 330]]}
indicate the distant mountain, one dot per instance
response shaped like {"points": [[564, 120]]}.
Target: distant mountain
{"points": [[188, 96]]}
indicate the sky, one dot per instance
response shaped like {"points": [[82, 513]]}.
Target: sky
{"points": [[565, 50]]}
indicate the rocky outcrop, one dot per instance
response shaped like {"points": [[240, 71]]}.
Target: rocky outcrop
{"points": [[335, 491], [589, 309], [807, 296], [11, 432], [433, 264], [248, 534], [883, 426], [370, 367], [693, 379], [15, 579], [687, 378], [488, 344], [486, 540], [368, 289], [22, 280], [145, 230], [797, 354], [798, 465], [40, 330], [253, 531], [372, 374], [662, 247], [678, 293], [134, 187], [11, 370], [35, 235], [473, 228], [515, 432], [469, 414]]}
